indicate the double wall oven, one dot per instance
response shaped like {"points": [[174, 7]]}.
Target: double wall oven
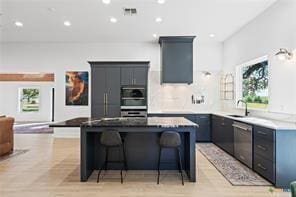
{"points": [[133, 101]]}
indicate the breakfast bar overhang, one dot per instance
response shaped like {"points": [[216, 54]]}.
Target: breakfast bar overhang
{"points": [[141, 141]]}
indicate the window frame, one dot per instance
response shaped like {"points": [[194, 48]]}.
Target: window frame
{"points": [[239, 82]]}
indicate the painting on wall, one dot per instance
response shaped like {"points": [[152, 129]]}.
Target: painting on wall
{"points": [[77, 88], [29, 99]]}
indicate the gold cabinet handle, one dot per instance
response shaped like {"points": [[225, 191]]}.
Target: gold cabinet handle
{"points": [[106, 104]]}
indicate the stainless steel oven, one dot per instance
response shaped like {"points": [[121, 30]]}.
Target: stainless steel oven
{"points": [[133, 101], [133, 97]]}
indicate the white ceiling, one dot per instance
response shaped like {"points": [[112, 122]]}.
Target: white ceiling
{"points": [[90, 19]]}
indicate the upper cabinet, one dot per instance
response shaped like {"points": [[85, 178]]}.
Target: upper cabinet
{"points": [[134, 75], [177, 59]]}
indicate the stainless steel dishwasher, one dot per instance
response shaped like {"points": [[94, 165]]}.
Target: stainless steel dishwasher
{"points": [[243, 146]]}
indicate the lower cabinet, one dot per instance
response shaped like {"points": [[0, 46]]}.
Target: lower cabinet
{"points": [[264, 167], [203, 133], [264, 152], [222, 133]]}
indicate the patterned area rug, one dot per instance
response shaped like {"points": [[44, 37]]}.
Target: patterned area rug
{"points": [[14, 154], [34, 128], [234, 171]]}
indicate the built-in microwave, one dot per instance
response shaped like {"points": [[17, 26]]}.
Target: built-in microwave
{"points": [[133, 97]]}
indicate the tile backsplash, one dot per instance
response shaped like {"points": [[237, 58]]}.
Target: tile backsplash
{"points": [[178, 97]]}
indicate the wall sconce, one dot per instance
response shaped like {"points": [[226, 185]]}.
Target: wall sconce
{"points": [[206, 73], [284, 54]]}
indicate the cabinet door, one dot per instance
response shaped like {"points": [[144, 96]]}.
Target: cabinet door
{"points": [[228, 133], [126, 76], [203, 133], [98, 82], [97, 111], [216, 130], [113, 86], [140, 75], [112, 111]]}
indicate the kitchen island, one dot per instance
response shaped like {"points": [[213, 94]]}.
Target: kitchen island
{"points": [[141, 138]]}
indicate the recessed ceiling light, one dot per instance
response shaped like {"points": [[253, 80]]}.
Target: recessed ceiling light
{"points": [[51, 9], [212, 35], [67, 23], [113, 20], [158, 19], [106, 1], [161, 1], [154, 35], [18, 24]]}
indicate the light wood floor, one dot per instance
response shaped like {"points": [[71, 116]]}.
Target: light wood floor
{"points": [[51, 168]]}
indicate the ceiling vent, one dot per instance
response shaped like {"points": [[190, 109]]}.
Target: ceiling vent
{"points": [[130, 11]]}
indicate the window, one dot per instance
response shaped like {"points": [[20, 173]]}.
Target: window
{"points": [[252, 83]]}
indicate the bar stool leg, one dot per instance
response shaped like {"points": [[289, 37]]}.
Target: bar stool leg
{"points": [[180, 165], [121, 178], [104, 165], [159, 157], [106, 158], [124, 157]]}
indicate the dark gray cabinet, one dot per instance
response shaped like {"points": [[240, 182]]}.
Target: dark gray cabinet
{"points": [[105, 92], [222, 133], [264, 152], [177, 59], [106, 81], [203, 133], [134, 75]]}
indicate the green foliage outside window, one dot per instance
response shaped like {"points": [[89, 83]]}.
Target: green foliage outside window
{"points": [[255, 85]]}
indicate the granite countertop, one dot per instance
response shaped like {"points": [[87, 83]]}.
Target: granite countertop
{"points": [[141, 122], [75, 122], [177, 112]]}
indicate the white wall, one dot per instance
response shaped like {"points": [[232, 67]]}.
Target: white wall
{"points": [[62, 57], [273, 29], [10, 101]]}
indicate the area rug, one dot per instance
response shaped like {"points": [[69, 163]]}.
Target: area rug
{"points": [[234, 171], [14, 154], [33, 128]]}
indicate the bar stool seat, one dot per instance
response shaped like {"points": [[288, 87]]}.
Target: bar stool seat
{"points": [[170, 139], [112, 139]]}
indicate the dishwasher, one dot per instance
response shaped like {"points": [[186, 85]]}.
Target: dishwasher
{"points": [[243, 143]]}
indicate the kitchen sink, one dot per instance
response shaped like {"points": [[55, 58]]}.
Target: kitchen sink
{"points": [[237, 116]]}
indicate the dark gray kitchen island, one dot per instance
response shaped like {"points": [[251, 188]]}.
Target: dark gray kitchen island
{"points": [[141, 138]]}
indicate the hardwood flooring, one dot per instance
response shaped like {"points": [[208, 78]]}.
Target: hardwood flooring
{"points": [[51, 168]]}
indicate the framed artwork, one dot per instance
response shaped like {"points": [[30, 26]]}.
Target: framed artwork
{"points": [[29, 99], [77, 88]]}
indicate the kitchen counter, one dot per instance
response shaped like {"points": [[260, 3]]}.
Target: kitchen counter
{"points": [[140, 122], [272, 124], [268, 123]]}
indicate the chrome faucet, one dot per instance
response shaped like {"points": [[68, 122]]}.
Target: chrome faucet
{"points": [[246, 106]]}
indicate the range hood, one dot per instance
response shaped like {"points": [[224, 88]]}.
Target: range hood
{"points": [[176, 59]]}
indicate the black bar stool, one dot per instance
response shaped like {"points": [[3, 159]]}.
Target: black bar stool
{"points": [[112, 139], [170, 139]]}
